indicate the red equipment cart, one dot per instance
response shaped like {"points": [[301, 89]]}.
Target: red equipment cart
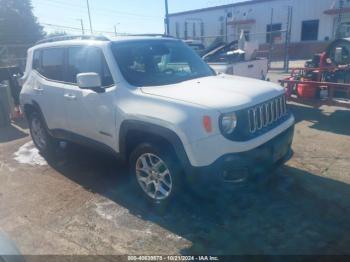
{"points": [[310, 86], [325, 79]]}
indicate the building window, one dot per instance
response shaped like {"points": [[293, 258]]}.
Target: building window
{"points": [[177, 28], [222, 29], [186, 31], [309, 31], [202, 31], [247, 35], [273, 33], [194, 34]]}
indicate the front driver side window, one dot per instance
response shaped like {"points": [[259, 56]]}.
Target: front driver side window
{"points": [[87, 60]]}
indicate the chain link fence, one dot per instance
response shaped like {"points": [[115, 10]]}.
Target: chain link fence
{"points": [[13, 55]]}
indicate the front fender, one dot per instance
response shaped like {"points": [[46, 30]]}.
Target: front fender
{"points": [[155, 130]]}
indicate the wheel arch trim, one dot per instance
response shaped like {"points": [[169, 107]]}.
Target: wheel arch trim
{"points": [[37, 107], [152, 129]]}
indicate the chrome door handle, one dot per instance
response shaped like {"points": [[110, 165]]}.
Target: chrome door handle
{"points": [[70, 97], [38, 90]]}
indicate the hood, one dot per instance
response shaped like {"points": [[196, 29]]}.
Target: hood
{"points": [[224, 93]]}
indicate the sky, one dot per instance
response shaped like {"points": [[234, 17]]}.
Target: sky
{"points": [[129, 16]]}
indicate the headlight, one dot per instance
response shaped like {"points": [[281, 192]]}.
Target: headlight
{"points": [[228, 123]]}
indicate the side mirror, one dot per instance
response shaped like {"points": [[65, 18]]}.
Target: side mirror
{"points": [[91, 81]]}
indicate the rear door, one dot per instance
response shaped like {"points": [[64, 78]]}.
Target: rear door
{"points": [[49, 85], [90, 115]]}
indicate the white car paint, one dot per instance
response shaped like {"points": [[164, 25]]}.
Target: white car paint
{"points": [[179, 107], [223, 92]]}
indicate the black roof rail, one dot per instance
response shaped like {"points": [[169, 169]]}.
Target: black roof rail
{"points": [[152, 35], [73, 37]]}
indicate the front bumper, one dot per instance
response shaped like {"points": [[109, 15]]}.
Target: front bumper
{"points": [[237, 168]]}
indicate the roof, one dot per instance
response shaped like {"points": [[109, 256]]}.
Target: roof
{"points": [[68, 43], [336, 11], [141, 37], [249, 2], [97, 41]]}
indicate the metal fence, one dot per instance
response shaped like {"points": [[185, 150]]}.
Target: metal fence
{"points": [[13, 55]]}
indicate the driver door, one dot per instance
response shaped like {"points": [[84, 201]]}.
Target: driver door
{"points": [[90, 115]]}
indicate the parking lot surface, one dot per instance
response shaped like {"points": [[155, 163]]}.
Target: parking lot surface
{"points": [[79, 202]]}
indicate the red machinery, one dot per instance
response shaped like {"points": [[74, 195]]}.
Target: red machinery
{"points": [[324, 80]]}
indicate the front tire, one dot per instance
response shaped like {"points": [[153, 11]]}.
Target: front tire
{"points": [[43, 141], [155, 173]]}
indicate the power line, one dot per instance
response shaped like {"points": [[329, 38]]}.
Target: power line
{"points": [[100, 10], [81, 12], [61, 26], [73, 28]]}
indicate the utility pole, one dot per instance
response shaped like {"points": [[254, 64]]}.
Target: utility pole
{"points": [[288, 37], [228, 16], [340, 18], [82, 26], [226, 28], [271, 38], [88, 8], [115, 29], [167, 26]]}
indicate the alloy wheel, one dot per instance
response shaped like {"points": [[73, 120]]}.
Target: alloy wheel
{"points": [[38, 133], [154, 176]]}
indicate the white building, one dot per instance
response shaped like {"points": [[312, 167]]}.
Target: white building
{"points": [[313, 22]]}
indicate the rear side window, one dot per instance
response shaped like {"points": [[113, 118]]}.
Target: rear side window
{"points": [[36, 60], [87, 60], [52, 66]]}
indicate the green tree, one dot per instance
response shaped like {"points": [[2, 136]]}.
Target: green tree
{"points": [[18, 25]]}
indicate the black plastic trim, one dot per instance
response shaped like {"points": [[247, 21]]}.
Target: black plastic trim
{"points": [[82, 140], [257, 160], [37, 108], [155, 130], [242, 134]]}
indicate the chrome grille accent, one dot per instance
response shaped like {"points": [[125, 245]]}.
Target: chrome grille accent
{"points": [[261, 118], [266, 114], [273, 113], [277, 108]]}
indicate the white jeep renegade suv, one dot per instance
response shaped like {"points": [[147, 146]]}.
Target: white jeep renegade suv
{"points": [[155, 103]]}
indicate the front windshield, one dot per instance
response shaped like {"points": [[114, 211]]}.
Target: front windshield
{"points": [[158, 62]]}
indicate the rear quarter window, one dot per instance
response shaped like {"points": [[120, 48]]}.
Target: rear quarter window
{"points": [[36, 60]]}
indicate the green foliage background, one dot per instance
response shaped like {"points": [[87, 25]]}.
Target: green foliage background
{"points": [[18, 25]]}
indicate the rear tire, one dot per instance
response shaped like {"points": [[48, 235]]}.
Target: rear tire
{"points": [[44, 142], [156, 174]]}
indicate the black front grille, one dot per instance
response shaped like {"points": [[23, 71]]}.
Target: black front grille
{"points": [[259, 119], [266, 114]]}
